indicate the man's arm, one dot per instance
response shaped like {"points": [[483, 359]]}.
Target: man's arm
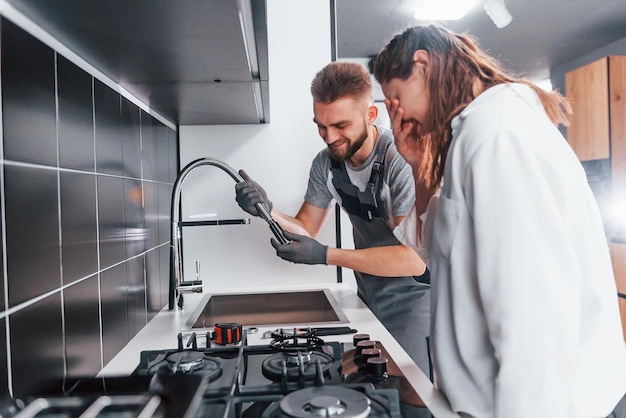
{"points": [[390, 261]]}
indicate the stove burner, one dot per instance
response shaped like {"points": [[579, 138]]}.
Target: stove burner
{"points": [[296, 357], [185, 361], [322, 401], [300, 364], [190, 361]]}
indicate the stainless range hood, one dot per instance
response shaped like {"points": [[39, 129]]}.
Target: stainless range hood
{"points": [[197, 62]]}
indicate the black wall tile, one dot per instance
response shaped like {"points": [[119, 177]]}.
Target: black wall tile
{"points": [[79, 228], [151, 200], [163, 152], [36, 337], [149, 146], [75, 108], [131, 139], [32, 230], [164, 207], [164, 262], [111, 220], [2, 290], [4, 373], [114, 311], [153, 283], [108, 130], [28, 98], [136, 293], [173, 156], [82, 328], [134, 224], [134, 157]]}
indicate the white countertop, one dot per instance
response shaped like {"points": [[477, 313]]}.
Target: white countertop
{"points": [[160, 333]]}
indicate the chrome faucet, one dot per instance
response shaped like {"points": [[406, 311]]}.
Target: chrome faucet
{"points": [[177, 284]]}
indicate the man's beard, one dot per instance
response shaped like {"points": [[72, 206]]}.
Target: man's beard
{"points": [[353, 147]]}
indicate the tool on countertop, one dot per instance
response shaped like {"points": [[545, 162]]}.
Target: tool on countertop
{"points": [[300, 332], [224, 333]]}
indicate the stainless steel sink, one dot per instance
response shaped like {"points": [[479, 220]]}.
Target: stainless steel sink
{"points": [[312, 307]]}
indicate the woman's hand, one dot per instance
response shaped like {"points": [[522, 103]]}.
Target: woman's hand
{"points": [[406, 136]]}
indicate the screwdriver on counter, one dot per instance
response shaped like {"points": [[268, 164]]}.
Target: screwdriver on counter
{"points": [[303, 331]]}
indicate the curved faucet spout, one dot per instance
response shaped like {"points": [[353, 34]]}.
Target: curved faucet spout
{"points": [[176, 265]]}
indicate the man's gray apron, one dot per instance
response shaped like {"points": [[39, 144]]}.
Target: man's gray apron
{"points": [[402, 304]]}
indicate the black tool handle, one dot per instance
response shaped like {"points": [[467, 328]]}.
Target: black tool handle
{"points": [[274, 227], [278, 232], [334, 331]]}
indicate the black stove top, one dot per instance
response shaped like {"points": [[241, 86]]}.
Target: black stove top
{"points": [[294, 375]]}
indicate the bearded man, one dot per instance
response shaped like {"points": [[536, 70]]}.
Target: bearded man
{"points": [[362, 171]]}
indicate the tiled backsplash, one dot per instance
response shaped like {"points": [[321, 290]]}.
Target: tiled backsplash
{"points": [[87, 177]]}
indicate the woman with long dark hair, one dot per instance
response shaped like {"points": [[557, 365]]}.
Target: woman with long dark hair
{"points": [[525, 320]]}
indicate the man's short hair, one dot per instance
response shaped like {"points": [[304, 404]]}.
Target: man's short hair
{"points": [[341, 79]]}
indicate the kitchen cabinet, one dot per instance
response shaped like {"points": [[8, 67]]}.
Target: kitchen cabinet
{"points": [[596, 91], [617, 103]]}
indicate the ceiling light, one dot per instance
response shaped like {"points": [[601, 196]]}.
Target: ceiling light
{"points": [[444, 9], [498, 13]]}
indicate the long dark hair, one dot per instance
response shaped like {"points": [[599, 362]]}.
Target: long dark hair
{"points": [[457, 64]]}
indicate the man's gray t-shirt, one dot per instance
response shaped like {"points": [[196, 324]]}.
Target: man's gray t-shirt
{"points": [[398, 184]]}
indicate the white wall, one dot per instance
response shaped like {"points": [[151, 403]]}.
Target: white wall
{"points": [[277, 155]]}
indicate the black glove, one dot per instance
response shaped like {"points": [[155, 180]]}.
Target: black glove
{"points": [[249, 193], [302, 250]]}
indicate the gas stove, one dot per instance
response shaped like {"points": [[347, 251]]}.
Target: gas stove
{"points": [[296, 375]]}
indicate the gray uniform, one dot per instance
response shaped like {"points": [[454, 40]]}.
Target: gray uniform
{"points": [[402, 304]]}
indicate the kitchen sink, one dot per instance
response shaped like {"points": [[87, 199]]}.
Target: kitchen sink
{"points": [[312, 307]]}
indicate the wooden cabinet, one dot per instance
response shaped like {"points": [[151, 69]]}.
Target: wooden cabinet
{"points": [[596, 91], [617, 105]]}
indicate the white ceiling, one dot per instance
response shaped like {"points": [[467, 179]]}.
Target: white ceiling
{"points": [[543, 33]]}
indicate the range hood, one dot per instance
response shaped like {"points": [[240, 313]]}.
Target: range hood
{"points": [[197, 62]]}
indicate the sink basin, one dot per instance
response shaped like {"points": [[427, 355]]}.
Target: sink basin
{"points": [[314, 307]]}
